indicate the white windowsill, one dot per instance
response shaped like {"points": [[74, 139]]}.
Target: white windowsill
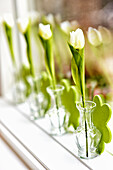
{"points": [[38, 148]]}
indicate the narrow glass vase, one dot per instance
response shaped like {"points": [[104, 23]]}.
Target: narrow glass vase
{"points": [[19, 89], [57, 113], [87, 135], [36, 100]]}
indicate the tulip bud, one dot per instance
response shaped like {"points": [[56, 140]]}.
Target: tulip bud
{"points": [[45, 31], [8, 19], [50, 19], [74, 24], [77, 39], [58, 18], [106, 35], [23, 24], [94, 36], [34, 17], [65, 26]]}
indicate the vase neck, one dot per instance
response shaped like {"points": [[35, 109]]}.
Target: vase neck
{"points": [[85, 116], [34, 83], [55, 95], [86, 113]]}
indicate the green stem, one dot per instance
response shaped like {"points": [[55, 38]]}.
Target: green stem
{"points": [[49, 62], [35, 88], [57, 107], [8, 32], [92, 93], [56, 102], [12, 53], [53, 82], [29, 53], [83, 101], [86, 135]]}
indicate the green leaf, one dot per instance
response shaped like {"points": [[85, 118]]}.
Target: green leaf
{"points": [[100, 116], [8, 32], [24, 73], [69, 98], [49, 59], [78, 69], [29, 51], [75, 74]]}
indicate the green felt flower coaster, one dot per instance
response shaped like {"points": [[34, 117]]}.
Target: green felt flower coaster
{"points": [[69, 98], [100, 116]]}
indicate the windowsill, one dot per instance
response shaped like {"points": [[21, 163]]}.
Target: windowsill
{"points": [[32, 142], [9, 159]]}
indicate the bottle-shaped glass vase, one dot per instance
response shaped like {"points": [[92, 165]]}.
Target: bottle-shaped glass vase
{"points": [[57, 113], [36, 100], [87, 135], [19, 89]]}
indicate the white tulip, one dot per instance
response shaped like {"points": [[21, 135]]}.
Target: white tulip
{"points": [[94, 36], [106, 35], [45, 31], [23, 24], [8, 19], [77, 39], [50, 19], [34, 17], [74, 24], [58, 18], [65, 26]]}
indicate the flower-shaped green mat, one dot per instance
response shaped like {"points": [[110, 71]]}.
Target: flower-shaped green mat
{"points": [[100, 116], [69, 98]]}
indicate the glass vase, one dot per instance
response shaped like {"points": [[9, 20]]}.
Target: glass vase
{"points": [[57, 113], [19, 89], [87, 135], [36, 100]]}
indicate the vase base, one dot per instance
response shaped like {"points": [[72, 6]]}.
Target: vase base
{"points": [[90, 155], [37, 106], [57, 131], [19, 92], [35, 116]]}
